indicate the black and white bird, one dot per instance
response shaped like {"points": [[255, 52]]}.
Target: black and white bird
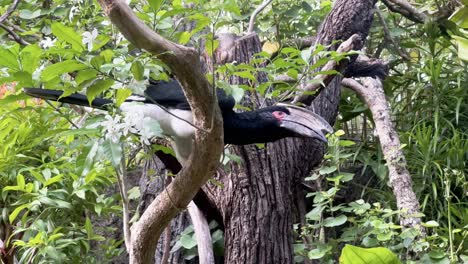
{"points": [[166, 103]]}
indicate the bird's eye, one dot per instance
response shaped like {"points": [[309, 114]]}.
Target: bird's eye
{"points": [[279, 115]]}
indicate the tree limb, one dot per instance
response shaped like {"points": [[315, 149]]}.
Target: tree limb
{"points": [[185, 64], [363, 66], [255, 13], [13, 35], [406, 9], [373, 95], [9, 11], [322, 80]]}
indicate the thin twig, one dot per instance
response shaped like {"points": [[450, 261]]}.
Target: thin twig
{"points": [[64, 116], [121, 176], [10, 10], [320, 81], [14, 35], [255, 13], [388, 36]]}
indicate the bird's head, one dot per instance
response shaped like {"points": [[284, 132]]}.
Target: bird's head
{"points": [[300, 121]]}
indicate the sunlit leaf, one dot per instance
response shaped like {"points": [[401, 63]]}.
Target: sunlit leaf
{"points": [[357, 255]]}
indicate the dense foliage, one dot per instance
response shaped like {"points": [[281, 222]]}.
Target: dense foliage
{"points": [[57, 179]]}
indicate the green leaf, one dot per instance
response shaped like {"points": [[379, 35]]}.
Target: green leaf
{"points": [[122, 95], [460, 17], [211, 46], [184, 37], [339, 133], [24, 78], [305, 55], [316, 213], [8, 59], [98, 87], [436, 254], [16, 212], [100, 41], [188, 241], [346, 143], [107, 55], [431, 223], [30, 57], [20, 181], [54, 70], [138, 70], [155, 4], [85, 75], [134, 193], [98, 61], [89, 161], [319, 252], [357, 255], [113, 151], [88, 227], [13, 98], [335, 221], [68, 35], [245, 74], [53, 180], [462, 47], [28, 14], [81, 193], [327, 170]]}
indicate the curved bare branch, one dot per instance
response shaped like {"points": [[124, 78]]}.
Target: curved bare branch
{"points": [[255, 13], [373, 95], [185, 64]]}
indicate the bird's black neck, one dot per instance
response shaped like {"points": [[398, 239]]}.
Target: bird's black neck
{"points": [[251, 127]]}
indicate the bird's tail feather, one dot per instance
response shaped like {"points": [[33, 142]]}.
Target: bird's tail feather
{"points": [[75, 99]]}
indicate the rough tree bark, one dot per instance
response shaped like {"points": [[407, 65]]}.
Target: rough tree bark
{"points": [[256, 199]]}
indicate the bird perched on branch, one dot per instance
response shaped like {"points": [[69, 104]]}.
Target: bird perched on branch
{"points": [[166, 103]]}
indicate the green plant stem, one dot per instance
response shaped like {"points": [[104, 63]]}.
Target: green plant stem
{"points": [[449, 219]]}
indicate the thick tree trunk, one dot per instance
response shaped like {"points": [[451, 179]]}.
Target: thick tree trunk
{"points": [[257, 199]]}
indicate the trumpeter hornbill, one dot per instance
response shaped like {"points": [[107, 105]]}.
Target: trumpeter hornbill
{"points": [[166, 103]]}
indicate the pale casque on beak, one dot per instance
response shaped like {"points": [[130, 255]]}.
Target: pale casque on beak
{"points": [[305, 123]]}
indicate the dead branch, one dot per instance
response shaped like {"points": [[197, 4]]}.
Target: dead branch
{"points": [[373, 95], [185, 64], [322, 80], [255, 13]]}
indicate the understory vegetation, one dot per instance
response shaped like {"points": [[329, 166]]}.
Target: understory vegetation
{"points": [[59, 165]]}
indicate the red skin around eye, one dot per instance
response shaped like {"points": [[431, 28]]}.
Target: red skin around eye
{"points": [[279, 115]]}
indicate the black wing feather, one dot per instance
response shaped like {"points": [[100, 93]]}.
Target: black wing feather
{"points": [[170, 94], [75, 99]]}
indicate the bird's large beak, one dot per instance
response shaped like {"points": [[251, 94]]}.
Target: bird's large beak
{"points": [[305, 123]]}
